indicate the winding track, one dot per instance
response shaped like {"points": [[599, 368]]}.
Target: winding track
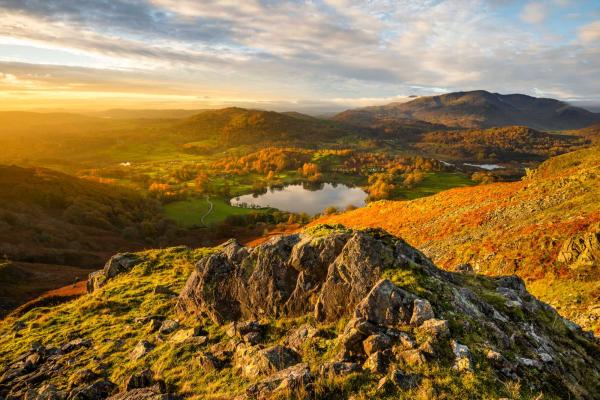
{"points": [[210, 208]]}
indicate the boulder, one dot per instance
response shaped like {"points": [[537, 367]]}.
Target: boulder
{"points": [[385, 305], [422, 311], [209, 362], [581, 250], [292, 275], [168, 326], [299, 336], [352, 275], [253, 362], [376, 343], [81, 377], [295, 379], [433, 329], [139, 380], [116, 265], [403, 380], [411, 358], [462, 357], [142, 348], [378, 362], [100, 389], [339, 368], [95, 281], [189, 335]]}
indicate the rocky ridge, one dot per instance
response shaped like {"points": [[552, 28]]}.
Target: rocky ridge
{"points": [[328, 312]]}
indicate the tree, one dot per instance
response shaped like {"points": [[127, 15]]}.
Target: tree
{"points": [[330, 210]]}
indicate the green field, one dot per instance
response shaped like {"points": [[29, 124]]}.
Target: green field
{"points": [[433, 183], [188, 213]]}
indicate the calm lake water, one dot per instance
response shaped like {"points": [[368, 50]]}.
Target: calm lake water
{"points": [[298, 198], [489, 167]]}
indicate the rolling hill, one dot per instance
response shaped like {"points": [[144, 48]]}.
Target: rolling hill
{"points": [[238, 125], [544, 228], [477, 109], [54, 226], [511, 143]]}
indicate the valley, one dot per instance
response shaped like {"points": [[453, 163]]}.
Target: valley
{"points": [[299, 200], [478, 200]]}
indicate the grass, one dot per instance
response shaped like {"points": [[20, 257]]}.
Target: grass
{"points": [[433, 183], [188, 213], [108, 318]]}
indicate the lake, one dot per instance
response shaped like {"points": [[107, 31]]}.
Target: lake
{"points": [[300, 198], [489, 167]]}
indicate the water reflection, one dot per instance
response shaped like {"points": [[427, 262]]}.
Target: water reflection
{"points": [[311, 198]]}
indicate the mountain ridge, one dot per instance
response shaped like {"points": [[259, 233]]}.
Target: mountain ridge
{"points": [[478, 109]]}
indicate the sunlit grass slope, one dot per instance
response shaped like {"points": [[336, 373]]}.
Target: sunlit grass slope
{"points": [[505, 228]]}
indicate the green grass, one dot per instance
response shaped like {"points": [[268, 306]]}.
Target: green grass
{"points": [[433, 183], [188, 213]]}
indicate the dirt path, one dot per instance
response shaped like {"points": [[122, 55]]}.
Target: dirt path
{"points": [[210, 208]]}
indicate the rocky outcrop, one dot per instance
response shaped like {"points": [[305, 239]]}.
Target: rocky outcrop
{"points": [[361, 312], [253, 362], [289, 381], [293, 275], [118, 264], [581, 251]]}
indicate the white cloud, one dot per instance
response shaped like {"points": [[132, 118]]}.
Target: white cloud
{"points": [[590, 33], [343, 50], [534, 13]]}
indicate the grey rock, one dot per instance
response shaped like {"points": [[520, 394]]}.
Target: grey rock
{"points": [[422, 311], [117, 264], [168, 326], [433, 329], [295, 378], [253, 362], [462, 357], [375, 343], [139, 380], [81, 377], [339, 368], [378, 362], [209, 362], [141, 349]]}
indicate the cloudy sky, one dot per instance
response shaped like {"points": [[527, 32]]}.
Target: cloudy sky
{"points": [[88, 54]]}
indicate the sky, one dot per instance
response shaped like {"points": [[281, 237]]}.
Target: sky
{"points": [[291, 55]]}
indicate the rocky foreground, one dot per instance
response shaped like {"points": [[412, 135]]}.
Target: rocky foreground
{"points": [[330, 313]]}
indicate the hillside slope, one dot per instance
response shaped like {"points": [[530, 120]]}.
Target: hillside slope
{"points": [[513, 143], [478, 109], [512, 228], [328, 314], [238, 125], [49, 219]]}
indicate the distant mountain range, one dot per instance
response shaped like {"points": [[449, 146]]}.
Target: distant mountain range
{"points": [[476, 109]]}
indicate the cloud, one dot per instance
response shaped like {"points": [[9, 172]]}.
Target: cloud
{"points": [[590, 33], [534, 13], [291, 52]]}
